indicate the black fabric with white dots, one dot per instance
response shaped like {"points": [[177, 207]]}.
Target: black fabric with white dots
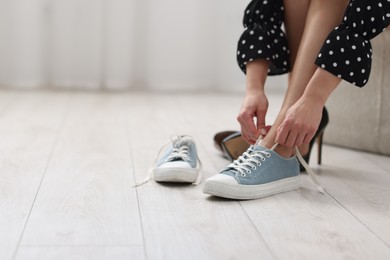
{"points": [[263, 37], [346, 53]]}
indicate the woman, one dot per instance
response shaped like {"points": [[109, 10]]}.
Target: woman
{"points": [[324, 46]]}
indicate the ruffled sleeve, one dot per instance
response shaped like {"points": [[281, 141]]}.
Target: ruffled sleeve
{"points": [[263, 37], [347, 51]]}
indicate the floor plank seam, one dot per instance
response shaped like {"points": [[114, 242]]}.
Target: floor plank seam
{"points": [[258, 232], [58, 134], [359, 220], [135, 180]]}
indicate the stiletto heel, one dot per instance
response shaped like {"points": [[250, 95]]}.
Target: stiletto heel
{"points": [[317, 137], [319, 145]]}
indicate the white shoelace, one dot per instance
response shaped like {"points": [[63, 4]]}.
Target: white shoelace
{"points": [[249, 161], [252, 159], [309, 171], [181, 153]]}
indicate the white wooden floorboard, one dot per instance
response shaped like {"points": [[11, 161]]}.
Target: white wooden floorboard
{"points": [[381, 161], [81, 253], [28, 131], [90, 148], [86, 197], [179, 222], [361, 186], [302, 224]]}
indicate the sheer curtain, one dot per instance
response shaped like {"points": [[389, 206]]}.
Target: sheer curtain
{"points": [[120, 44]]}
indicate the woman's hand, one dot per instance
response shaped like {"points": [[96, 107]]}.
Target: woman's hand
{"points": [[252, 116], [300, 123]]}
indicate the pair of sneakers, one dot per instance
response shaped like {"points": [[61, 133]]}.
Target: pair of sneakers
{"points": [[257, 173]]}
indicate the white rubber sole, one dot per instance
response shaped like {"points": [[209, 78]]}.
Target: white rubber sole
{"points": [[246, 192], [175, 175]]}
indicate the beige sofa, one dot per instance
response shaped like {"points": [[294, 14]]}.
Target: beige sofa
{"points": [[360, 117]]}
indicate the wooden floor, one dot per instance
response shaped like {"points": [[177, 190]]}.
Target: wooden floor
{"points": [[68, 161]]}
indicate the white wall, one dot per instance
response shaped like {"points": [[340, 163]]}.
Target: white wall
{"points": [[117, 44], [21, 43]]}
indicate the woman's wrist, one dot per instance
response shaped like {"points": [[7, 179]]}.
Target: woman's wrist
{"points": [[256, 74], [254, 89], [320, 87]]}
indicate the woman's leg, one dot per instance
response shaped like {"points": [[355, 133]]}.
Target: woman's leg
{"points": [[322, 17], [295, 12], [294, 22]]}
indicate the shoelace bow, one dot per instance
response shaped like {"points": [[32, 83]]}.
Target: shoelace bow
{"points": [[252, 159], [179, 152]]}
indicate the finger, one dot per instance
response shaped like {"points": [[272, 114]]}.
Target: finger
{"points": [[251, 131], [299, 139], [245, 136], [260, 119], [246, 121], [281, 134], [250, 141], [308, 138], [253, 139], [291, 138], [264, 131], [244, 130], [248, 136], [251, 127]]}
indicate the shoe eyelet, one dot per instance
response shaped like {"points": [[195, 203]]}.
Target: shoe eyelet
{"points": [[263, 159], [243, 174], [258, 164], [254, 168], [248, 171], [268, 155]]}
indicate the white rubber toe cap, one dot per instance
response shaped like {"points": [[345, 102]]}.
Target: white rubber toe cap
{"points": [[223, 179]]}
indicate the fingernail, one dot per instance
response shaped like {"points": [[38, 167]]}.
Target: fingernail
{"points": [[263, 131]]}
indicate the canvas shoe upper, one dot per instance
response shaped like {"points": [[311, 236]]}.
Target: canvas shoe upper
{"points": [[258, 173], [177, 161]]}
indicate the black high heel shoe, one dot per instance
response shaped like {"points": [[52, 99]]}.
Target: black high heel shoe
{"points": [[231, 144], [317, 137], [220, 136]]}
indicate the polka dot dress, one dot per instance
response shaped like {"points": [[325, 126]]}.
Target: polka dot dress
{"points": [[263, 37], [346, 53]]}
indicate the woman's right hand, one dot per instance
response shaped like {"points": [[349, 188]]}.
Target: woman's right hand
{"points": [[252, 116]]}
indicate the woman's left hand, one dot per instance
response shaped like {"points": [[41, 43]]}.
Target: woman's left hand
{"points": [[300, 123]]}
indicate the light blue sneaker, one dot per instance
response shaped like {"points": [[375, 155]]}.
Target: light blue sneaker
{"points": [[179, 162], [258, 173]]}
